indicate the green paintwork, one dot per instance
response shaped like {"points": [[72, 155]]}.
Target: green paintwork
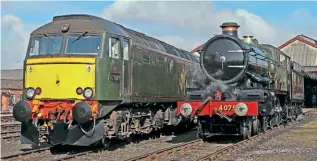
{"points": [[106, 90], [278, 73], [160, 76], [163, 77], [154, 76]]}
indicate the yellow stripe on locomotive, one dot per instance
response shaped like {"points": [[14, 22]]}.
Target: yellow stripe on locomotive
{"points": [[59, 78]]}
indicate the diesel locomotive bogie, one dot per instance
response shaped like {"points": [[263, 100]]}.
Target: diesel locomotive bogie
{"points": [[140, 119]]}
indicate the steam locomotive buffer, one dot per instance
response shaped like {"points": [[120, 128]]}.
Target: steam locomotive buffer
{"points": [[253, 87]]}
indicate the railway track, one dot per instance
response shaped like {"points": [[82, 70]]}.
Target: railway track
{"points": [[25, 154], [217, 150], [10, 135], [10, 130], [74, 152], [7, 117]]}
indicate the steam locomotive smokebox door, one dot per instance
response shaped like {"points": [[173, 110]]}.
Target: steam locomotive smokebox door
{"points": [[59, 133], [223, 59]]}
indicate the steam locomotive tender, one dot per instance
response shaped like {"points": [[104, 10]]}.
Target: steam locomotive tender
{"points": [[257, 86], [88, 80]]}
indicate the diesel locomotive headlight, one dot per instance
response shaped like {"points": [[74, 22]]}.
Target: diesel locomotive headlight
{"points": [[186, 109], [241, 109], [79, 91], [30, 93], [88, 93], [38, 90]]}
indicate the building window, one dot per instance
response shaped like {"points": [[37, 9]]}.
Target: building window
{"points": [[12, 100]]}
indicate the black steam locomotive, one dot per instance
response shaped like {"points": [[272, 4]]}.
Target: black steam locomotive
{"points": [[256, 87]]}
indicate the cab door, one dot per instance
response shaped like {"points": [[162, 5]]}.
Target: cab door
{"points": [[109, 72], [126, 70]]}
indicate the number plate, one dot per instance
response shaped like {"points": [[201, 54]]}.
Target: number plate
{"points": [[226, 107]]}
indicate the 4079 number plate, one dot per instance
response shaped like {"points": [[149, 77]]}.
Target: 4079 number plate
{"points": [[226, 107]]}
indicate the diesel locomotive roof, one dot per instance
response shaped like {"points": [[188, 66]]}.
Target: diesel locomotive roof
{"points": [[78, 22]]}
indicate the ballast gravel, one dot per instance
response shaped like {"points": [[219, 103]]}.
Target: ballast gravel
{"points": [[297, 144]]}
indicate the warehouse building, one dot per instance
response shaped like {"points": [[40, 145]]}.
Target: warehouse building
{"points": [[11, 88], [303, 50]]}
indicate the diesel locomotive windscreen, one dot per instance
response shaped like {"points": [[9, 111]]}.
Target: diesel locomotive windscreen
{"points": [[223, 60]]}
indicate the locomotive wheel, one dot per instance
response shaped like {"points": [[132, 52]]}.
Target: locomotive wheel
{"points": [[200, 131], [255, 126], [106, 143], [264, 124], [246, 130], [270, 123], [277, 120]]}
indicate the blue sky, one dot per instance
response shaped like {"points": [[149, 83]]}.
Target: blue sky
{"points": [[183, 24]]}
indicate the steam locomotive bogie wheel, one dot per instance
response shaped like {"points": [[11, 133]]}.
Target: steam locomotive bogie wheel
{"points": [[270, 122], [264, 125], [200, 131], [277, 120], [246, 130], [255, 126]]}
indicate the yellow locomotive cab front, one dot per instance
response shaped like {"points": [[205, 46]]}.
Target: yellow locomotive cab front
{"points": [[60, 77]]}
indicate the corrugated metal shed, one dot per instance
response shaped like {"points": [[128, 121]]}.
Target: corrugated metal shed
{"points": [[302, 49]]}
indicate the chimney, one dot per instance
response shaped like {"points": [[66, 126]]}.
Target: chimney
{"points": [[230, 28]]}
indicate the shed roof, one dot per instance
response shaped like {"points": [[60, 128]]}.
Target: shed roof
{"points": [[305, 39], [11, 84], [198, 48], [13, 74]]}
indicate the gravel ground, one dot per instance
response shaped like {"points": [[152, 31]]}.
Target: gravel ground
{"points": [[297, 144], [144, 147], [121, 152], [193, 153], [14, 147]]}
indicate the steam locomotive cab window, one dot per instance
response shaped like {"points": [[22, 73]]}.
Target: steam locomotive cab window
{"points": [[83, 44], [45, 45], [114, 48]]}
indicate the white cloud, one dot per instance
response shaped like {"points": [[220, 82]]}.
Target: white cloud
{"points": [[198, 17], [181, 42], [308, 23], [14, 42]]}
